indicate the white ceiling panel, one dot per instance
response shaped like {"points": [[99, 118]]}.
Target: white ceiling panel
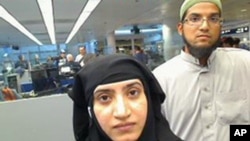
{"points": [[108, 16]]}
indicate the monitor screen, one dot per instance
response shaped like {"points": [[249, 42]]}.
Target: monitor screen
{"points": [[44, 80], [65, 69]]}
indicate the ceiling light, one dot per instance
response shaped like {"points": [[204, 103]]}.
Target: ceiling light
{"points": [[122, 32], [88, 9], [11, 20], [46, 9], [243, 10], [127, 32]]}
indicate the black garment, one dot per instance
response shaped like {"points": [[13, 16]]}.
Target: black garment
{"points": [[110, 69]]}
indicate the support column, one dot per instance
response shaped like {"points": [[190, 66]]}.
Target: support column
{"points": [[168, 49], [111, 44], [172, 42], [133, 46]]}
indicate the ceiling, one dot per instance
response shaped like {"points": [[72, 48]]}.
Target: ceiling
{"points": [[108, 16]]}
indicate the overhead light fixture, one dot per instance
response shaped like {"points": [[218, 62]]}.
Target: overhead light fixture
{"points": [[122, 32], [46, 9], [87, 10], [11, 20], [243, 10], [128, 32]]}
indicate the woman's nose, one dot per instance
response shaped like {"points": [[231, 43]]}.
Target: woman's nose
{"points": [[121, 108]]}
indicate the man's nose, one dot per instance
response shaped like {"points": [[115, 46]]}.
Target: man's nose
{"points": [[204, 24]]}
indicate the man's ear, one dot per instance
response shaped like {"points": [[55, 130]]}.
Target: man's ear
{"points": [[180, 28]]}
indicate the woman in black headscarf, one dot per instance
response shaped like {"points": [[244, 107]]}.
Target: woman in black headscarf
{"points": [[116, 69]]}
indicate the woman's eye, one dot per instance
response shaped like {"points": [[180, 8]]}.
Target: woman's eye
{"points": [[104, 98], [134, 93]]}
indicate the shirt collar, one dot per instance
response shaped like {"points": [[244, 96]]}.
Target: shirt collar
{"points": [[189, 58]]}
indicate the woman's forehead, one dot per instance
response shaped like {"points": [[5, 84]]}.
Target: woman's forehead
{"points": [[115, 84]]}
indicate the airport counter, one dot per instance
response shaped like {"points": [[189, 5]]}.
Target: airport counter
{"points": [[47, 118]]}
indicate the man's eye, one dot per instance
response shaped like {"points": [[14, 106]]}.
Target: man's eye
{"points": [[214, 19], [194, 19]]}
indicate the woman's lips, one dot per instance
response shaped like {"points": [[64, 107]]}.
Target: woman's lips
{"points": [[124, 126]]}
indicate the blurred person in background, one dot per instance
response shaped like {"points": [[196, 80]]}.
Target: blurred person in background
{"points": [[61, 60], [140, 55], [21, 65], [228, 42], [236, 42], [81, 56]]}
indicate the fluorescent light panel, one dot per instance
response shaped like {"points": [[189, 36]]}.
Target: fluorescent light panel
{"points": [[127, 32], [46, 8], [88, 9], [11, 20]]}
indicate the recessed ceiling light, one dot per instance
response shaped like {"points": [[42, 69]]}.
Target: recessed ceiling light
{"points": [[243, 10]]}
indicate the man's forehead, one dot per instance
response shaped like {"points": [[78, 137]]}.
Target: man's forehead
{"points": [[187, 4], [82, 48], [200, 9]]}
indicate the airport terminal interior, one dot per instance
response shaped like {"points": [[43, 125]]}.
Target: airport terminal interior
{"points": [[37, 33]]}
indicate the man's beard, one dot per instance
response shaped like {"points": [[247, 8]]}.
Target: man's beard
{"points": [[200, 52]]}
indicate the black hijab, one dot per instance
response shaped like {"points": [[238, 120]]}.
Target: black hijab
{"points": [[114, 68]]}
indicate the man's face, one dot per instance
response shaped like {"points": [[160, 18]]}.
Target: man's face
{"points": [[82, 50], [22, 57], [70, 58], [63, 54], [201, 29]]}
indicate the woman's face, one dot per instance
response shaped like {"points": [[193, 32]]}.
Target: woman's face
{"points": [[121, 109]]}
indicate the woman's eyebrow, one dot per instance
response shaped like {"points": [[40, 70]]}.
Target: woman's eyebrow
{"points": [[132, 84], [106, 91]]}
